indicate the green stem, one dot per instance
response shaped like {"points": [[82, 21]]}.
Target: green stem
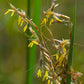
{"points": [[28, 81], [68, 79], [31, 52]]}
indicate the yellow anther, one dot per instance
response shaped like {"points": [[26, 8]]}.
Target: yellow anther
{"points": [[7, 12], [39, 73], [48, 81], [51, 21], [45, 76], [57, 19], [44, 21], [25, 28], [21, 23], [35, 42], [31, 36], [31, 43], [51, 82], [19, 20], [47, 16], [57, 56], [12, 13]]}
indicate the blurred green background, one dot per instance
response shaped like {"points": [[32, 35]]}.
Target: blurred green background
{"points": [[13, 41]]}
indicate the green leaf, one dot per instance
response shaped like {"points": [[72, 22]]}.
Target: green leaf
{"points": [[68, 79], [31, 53]]}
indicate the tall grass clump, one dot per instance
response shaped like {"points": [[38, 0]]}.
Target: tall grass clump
{"points": [[53, 67]]}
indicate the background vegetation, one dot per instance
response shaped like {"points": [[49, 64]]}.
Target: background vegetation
{"points": [[13, 41]]}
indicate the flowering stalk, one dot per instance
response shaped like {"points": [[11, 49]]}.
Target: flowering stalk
{"points": [[53, 67]]}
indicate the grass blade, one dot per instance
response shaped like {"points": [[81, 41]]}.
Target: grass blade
{"points": [[68, 80], [28, 81], [31, 52]]}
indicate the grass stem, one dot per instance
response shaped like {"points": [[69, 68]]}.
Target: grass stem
{"points": [[68, 79], [31, 53]]}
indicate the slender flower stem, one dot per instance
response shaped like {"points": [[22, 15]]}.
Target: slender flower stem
{"points": [[68, 79]]}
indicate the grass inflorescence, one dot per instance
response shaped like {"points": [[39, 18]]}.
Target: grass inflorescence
{"points": [[52, 67]]}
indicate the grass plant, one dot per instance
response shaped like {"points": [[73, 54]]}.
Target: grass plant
{"points": [[53, 67]]}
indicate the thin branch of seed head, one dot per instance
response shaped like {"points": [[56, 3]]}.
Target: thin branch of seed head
{"points": [[48, 66], [43, 49], [32, 40], [60, 15], [49, 59], [56, 65], [41, 59], [51, 35], [25, 18], [56, 40], [52, 5], [34, 33]]}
